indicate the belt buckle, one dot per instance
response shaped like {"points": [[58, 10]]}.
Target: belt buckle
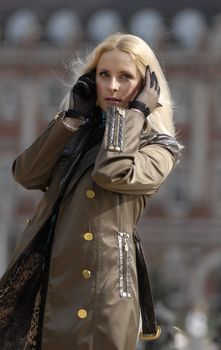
{"points": [[152, 336]]}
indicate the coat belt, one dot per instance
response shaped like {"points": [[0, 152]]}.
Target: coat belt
{"points": [[150, 329]]}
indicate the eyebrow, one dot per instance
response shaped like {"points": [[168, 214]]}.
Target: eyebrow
{"points": [[122, 71]]}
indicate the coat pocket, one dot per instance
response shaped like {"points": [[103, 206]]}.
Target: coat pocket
{"points": [[124, 253]]}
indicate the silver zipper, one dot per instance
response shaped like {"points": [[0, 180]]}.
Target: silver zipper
{"points": [[115, 127], [124, 264]]}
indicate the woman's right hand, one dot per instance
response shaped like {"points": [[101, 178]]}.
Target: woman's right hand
{"points": [[83, 97]]}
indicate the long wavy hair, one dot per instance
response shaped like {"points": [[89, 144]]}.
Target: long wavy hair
{"points": [[161, 119]]}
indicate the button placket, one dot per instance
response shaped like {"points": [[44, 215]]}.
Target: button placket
{"points": [[88, 236]]}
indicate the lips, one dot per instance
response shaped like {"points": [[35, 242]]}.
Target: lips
{"points": [[112, 100]]}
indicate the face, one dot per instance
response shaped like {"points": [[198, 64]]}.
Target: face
{"points": [[117, 79]]}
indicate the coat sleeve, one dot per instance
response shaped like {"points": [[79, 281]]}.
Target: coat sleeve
{"points": [[122, 166], [33, 168]]}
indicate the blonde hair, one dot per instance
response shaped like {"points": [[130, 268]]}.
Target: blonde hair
{"points": [[161, 119]]}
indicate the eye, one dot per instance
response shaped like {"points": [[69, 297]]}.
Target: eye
{"points": [[103, 73], [127, 76]]}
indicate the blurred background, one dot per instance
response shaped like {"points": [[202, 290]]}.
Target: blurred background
{"points": [[181, 228]]}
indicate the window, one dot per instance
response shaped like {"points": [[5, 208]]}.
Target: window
{"points": [[217, 102], [51, 93], [182, 90], [8, 99], [8, 201], [148, 24], [103, 23], [177, 190], [64, 27], [216, 187], [22, 25], [189, 28]]}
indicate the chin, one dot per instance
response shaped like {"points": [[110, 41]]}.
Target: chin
{"points": [[105, 107]]}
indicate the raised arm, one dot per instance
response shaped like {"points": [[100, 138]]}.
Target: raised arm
{"points": [[122, 165], [33, 168]]}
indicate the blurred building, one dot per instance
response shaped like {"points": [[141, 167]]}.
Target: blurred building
{"points": [[181, 228]]}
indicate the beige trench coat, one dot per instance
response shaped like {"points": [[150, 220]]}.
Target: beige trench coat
{"points": [[92, 297]]}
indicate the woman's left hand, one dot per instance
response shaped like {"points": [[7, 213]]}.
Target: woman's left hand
{"points": [[148, 98]]}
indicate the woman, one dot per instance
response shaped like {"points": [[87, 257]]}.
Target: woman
{"points": [[73, 280]]}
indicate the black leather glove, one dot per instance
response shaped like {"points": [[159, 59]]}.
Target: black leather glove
{"points": [[83, 97], [148, 97]]}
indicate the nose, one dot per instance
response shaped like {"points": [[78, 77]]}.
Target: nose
{"points": [[113, 84]]}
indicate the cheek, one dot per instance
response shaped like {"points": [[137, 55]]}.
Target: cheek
{"points": [[99, 89], [131, 91], [100, 94]]}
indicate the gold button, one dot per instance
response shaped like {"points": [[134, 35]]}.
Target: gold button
{"points": [[86, 274], [28, 221], [88, 236], [90, 194], [82, 313]]}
